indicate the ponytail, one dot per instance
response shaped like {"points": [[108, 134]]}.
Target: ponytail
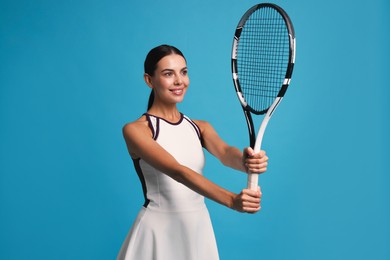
{"points": [[151, 99]]}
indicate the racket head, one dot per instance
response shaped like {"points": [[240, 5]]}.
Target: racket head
{"points": [[263, 56]]}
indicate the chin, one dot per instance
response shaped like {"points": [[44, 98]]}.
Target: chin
{"points": [[180, 100]]}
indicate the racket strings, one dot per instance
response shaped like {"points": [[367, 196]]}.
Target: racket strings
{"points": [[262, 57]]}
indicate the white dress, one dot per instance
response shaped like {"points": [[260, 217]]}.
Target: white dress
{"points": [[174, 223]]}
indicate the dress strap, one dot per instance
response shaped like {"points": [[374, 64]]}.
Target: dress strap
{"points": [[154, 124], [195, 126]]}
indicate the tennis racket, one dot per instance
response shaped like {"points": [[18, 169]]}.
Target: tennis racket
{"points": [[263, 57]]}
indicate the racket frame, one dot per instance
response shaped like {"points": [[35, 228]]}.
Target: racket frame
{"points": [[256, 143]]}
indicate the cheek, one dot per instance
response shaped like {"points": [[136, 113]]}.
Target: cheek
{"points": [[162, 84], [187, 81]]}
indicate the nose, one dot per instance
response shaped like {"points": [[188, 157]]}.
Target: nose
{"points": [[178, 80]]}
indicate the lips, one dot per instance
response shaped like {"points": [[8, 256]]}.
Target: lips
{"points": [[177, 91]]}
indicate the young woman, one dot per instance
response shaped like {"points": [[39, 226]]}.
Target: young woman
{"points": [[167, 150]]}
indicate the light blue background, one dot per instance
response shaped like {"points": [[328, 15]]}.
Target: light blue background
{"points": [[71, 77]]}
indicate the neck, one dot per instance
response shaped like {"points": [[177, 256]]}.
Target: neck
{"points": [[171, 114]]}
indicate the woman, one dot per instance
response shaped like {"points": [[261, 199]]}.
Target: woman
{"points": [[167, 150]]}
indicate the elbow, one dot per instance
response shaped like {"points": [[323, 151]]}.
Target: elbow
{"points": [[225, 162]]}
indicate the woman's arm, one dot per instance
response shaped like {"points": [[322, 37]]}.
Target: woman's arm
{"points": [[140, 144], [246, 161]]}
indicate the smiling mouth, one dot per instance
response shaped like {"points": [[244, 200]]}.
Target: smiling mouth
{"points": [[177, 91]]}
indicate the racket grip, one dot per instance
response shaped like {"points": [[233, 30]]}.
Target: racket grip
{"points": [[253, 181]]}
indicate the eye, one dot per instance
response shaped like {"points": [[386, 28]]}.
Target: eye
{"points": [[168, 74], [184, 72]]}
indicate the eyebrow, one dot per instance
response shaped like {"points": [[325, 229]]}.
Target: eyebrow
{"points": [[168, 70]]}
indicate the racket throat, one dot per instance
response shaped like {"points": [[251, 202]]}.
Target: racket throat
{"points": [[253, 178], [264, 124], [251, 129]]}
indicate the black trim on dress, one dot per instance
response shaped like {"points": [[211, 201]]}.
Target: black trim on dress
{"points": [[142, 179], [196, 127], [150, 125], [171, 123]]}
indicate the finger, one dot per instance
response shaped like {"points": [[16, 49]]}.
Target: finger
{"points": [[256, 164], [248, 193], [252, 196], [250, 201], [249, 151], [259, 154], [257, 169], [251, 209], [251, 204], [256, 160], [262, 153]]}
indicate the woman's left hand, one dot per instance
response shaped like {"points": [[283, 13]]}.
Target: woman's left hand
{"points": [[255, 162]]}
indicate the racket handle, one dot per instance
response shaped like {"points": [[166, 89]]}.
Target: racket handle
{"points": [[253, 181]]}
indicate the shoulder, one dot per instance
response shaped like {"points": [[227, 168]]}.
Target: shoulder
{"points": [[135, 135], [137, 127], [211, 140], [203, 125]]}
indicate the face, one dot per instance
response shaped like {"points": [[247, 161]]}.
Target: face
{"points": [[170, 80]]}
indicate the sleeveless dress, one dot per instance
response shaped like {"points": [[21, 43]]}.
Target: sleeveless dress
{"points": [[174, 223]]}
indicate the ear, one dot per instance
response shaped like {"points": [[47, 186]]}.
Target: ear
{"points": [[148, 80]]}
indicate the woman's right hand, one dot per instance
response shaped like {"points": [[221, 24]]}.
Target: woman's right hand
{"points": [[247, 201]]}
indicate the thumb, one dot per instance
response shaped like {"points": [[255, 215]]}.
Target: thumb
{"points": [[249, 151]]}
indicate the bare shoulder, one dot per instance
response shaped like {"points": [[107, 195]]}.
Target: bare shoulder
{"points": [[134, 132], [137, 127], [203, 125], [211, 140]]}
